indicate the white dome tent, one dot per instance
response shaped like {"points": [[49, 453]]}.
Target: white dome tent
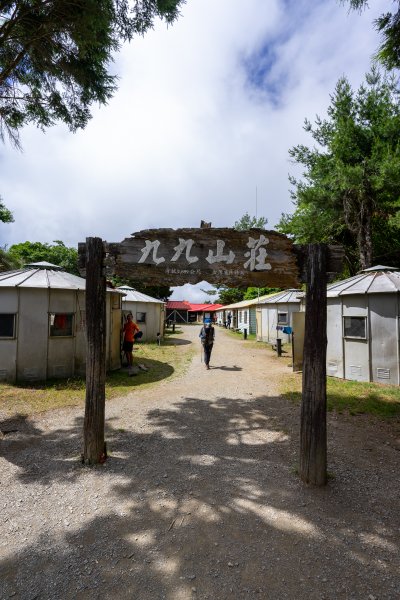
{"points": [[43, 321]]}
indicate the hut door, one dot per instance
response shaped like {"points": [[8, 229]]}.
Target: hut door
{"points": [[259, 324], [298, 323]]}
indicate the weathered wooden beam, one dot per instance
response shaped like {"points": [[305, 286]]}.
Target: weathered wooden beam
{"points": [[313, 443], [221, 256], [93, 432], [217, 255]]}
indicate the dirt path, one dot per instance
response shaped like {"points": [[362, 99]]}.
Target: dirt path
{"points": [[200, 499]]}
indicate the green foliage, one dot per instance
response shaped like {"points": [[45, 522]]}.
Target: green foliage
{"points": [[231, 295], [57, 254], [7, 262], [29, 399], [388, 25], [247, 222], [353, 397], [211, 292], [5, 215], [253, 292], [55, 56], [351, 179]]}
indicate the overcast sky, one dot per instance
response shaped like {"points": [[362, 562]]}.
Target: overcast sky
{"points": [[204, 116]]}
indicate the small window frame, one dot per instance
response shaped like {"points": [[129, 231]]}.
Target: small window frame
{"points": [[283, 321], [140, 317], [70, 316], [352, 336], [14, 323]]}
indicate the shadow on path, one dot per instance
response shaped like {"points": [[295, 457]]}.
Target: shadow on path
{"points": [[203, 505]]}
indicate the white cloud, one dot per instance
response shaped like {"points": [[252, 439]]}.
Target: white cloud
{"points": [[193, 293], [187, 137]]}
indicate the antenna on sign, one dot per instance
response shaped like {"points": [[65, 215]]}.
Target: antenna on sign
{"points": [[258, 289]]}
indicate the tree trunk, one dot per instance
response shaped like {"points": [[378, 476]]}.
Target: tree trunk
{"points": [[364, 236], [313, 454], [358, 218], [94, 445]]}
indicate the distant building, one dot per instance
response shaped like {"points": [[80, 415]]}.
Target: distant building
{"points": [[180, 311], [147, 312], [177, 311], [274, 316], [243, 314], [199, 312]]}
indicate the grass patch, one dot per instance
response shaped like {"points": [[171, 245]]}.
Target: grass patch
{"points": [[163, 362], [353, 397], [169, 332], [251, 337]]}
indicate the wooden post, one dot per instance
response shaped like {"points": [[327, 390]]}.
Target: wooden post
{"points": [[313, 455], [94, 445]]}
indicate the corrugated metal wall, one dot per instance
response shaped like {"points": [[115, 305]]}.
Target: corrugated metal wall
{"points": [[34, 355]]}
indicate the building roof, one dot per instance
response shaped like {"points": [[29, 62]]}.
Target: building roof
{"points": [[244, 303], [204, 307], [132, 295], [178, 305], [285, 297], [43, 275], [375, 280]]}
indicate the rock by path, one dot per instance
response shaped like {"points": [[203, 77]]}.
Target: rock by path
{"points": [[200, 498]]}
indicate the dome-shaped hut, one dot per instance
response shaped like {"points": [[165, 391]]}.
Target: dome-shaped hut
{"points": [[43, 324], [363, 326]]}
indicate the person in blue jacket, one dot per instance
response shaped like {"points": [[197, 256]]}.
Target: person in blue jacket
{"points": [[207, 337]]}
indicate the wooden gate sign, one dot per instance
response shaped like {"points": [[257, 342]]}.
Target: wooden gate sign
{"points": [[217, 255], [220, 256]]}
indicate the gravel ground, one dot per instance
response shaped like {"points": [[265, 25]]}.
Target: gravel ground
{"points": [[199, 498]]}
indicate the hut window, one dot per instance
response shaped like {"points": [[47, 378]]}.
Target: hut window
{"points": [[282, 318], [355, 327], [7, 325], [245, 317], [61, 324], [141, 317]]}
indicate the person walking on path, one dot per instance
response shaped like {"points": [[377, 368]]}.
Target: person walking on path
{"points": [[130, 331], [207, 336]]}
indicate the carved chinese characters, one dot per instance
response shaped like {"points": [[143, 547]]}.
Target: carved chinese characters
{"points": [[221, 256], [256, 261]]}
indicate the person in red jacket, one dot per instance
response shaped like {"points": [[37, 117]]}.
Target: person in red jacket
{"points": [[130, 330]]}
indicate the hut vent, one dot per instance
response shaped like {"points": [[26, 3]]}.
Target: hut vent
{"points": [[59, 371], [355, 369], [31, 374], [383, 373], [332, 368]]}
